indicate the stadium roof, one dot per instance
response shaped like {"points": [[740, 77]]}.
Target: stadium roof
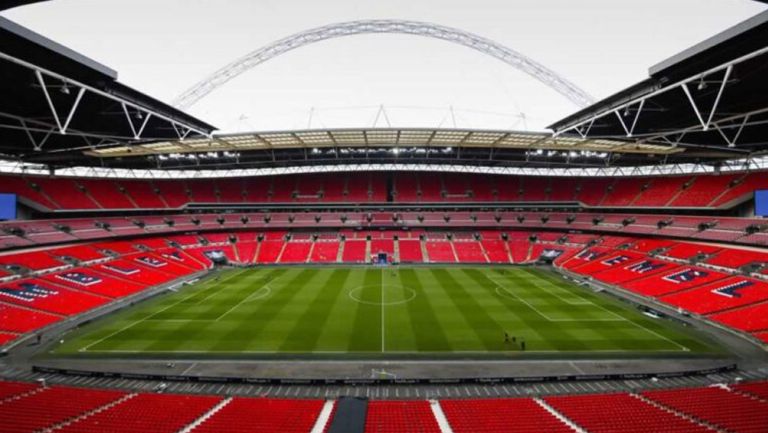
{"points": [[710, 96], [391, 145], [55, 99], [704, 106]]}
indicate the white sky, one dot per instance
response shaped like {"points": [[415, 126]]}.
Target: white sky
{"points": [[162, 47]]}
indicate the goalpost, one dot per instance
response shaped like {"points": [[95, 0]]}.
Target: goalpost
{"points": [[382, 374]]}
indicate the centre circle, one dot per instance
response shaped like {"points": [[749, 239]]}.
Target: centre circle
{"points": [[391, 294]]}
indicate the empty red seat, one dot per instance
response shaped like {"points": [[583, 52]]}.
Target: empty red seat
{"points": [[412, 416], [507, 415], [272, 415], [717, 406]]}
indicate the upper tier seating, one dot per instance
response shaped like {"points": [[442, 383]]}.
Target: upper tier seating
{"points": [[106, 194], [143, 194], [45, 231], [623, 192], [673, 191], [700, 191]]}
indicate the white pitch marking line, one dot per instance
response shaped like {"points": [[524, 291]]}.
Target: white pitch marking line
{"points": [[503, 287], [509, 292], [382, 310], [248, 298], [583, 301], [643, 327], [130, 325]]}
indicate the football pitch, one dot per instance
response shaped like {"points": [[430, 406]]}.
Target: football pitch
{"points": [[382, 312]]}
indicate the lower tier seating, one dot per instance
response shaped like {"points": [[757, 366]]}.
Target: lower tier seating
{"points": [[243, 415], [608, 413], [717, 406], [51, 406], [158, 413], [400, 417], [324, 252], [518, 415], [739, 408], [354, 251], [410, 251], [440, 252]]}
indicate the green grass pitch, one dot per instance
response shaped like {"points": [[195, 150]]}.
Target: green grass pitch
{"points": [[404, 311]]}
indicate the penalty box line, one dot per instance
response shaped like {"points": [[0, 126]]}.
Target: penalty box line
{"points": [[619, 318], [503, 286], [148, 317], [639, 325]]}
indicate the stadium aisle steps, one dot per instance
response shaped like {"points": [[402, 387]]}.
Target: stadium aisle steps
{"points": [[442, 421], [322, 423], [203, 418]]}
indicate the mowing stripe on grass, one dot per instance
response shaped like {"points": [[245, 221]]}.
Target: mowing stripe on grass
{"points": [[368, 311], [154, 313], [475, 315], [540, 281], [427, 331], [308, 327], [367, 316], [251, 327], [537, 330]]}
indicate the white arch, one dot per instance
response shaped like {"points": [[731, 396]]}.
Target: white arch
{"points": [[479, 43]]}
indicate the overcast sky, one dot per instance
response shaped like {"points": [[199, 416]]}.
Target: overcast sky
{"points": [[162, 47]]}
